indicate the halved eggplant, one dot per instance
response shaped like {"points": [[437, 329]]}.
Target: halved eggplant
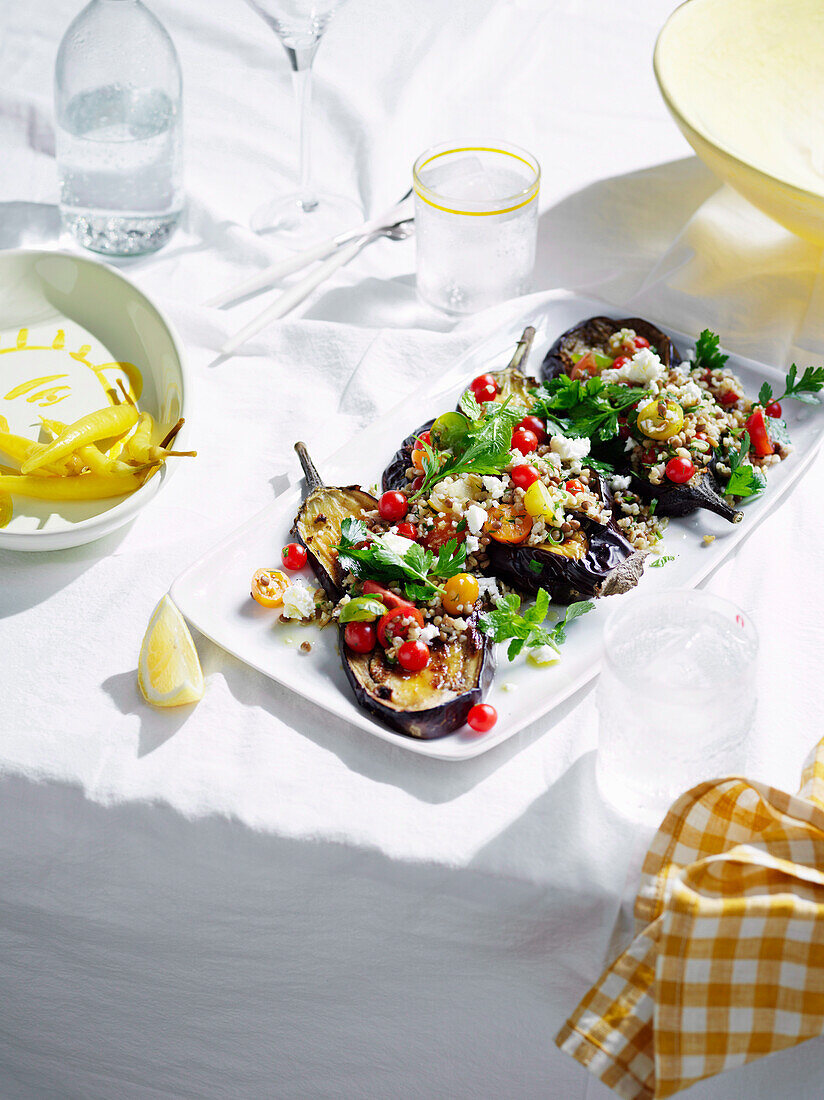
{"points": [[595, 561], [511, 383], [704, 491], [594, 334], [318, 522], [426, 704]]}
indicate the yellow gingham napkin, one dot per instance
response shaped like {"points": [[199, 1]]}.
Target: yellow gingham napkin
{"points": [[727, 964]]}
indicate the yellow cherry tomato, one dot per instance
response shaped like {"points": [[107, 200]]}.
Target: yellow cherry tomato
{"points": [[661, 418], [460, 592], [542, 504], [417, 459], [268, 586], [508, 524]]}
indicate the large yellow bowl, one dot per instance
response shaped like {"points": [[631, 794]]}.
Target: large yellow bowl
{"points": [[744, 80]]}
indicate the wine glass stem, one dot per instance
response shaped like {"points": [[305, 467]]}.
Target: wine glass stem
{"points": [[301, 58]]}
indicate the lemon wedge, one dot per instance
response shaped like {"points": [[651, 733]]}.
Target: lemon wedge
{"points": [[169, 672]]}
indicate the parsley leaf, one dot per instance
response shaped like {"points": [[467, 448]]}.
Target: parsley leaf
{"points": [[377, 561], [708, 354], [745, 480], [585, 407], [799, 389], [506, 623]]}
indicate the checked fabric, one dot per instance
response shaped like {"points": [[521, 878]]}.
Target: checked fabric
{"points": [[727, 963]]}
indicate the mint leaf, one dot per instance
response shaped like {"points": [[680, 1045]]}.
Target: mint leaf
{"points": [[777, 430], [506, 623]]}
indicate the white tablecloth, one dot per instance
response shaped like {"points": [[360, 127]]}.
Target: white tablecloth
{"points": [[251, 899]]}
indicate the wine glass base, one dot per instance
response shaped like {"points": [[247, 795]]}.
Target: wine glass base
{"points": [[298, 227]]}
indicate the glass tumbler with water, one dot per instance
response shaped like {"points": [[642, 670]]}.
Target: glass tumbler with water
{"points": [[476, 221], [676, 698], [119, 129]]}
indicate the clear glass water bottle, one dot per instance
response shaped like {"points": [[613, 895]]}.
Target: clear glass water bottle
{"points": [[117, 93]]}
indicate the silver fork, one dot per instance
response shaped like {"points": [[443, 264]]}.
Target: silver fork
{"points": [[288, 266], [287, 301]]}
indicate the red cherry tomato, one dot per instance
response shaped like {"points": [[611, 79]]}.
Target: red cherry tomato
{"points": [[760, 441], [417, 483], [641, 342], [773, 409], [425, 437], [388, 598], [524, 440], [408, 530], [524, 476], [679, 470], [413, 656], [294, 555], [485, 393], [393, 505], [623, 432], [360, 637], [621, 361], [482, 717], [442, 532], [390, 625], [728, 398], [534, 424], [482, 382], [575, 486]]}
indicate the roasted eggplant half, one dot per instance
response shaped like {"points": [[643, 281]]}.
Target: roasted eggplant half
{"points": [[594, 333], [703, 491], [596, 560], [318, 522], [426, 704], [511, 382]]}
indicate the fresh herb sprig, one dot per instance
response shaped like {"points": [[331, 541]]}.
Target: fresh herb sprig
{"points": [[708, 354], [377, 561], [745, 480], [799, 389], [483, 450], [659, 563], [506, 623], [585, 406]]}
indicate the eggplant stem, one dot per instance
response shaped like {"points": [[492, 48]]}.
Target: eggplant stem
{"points": [[522, 349], [313, 478]]}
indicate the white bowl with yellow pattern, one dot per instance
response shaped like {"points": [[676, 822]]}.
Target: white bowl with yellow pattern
{"points": [[70, 327]]}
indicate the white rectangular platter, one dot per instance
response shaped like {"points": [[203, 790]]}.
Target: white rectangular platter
{"points": [[214, 592]]}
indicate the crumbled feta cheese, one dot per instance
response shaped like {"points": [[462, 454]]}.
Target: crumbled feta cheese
{"points": [[494, 486], [476, 517], [690, 395], [298, 602], [570, 449], [489, 586], [473, 543], [397, 543], [460, 624], [429, 633], [458, 490], [543, 655], [644, 367], [630, 444], [619, 482]]}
